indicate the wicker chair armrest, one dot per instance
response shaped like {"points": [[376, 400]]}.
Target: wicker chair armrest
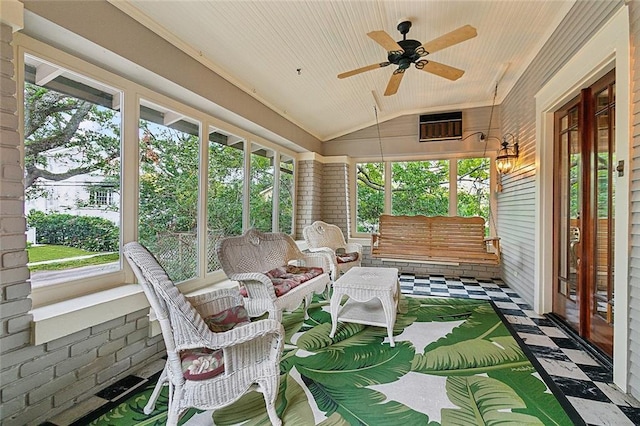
{"points": [[353, 247], [216, 300], [327, 250], [251, 276], [258, 285], [235, 336], [322, 260]]}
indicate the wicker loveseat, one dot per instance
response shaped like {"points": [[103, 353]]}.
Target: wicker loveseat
{"points": [[252, 258]]}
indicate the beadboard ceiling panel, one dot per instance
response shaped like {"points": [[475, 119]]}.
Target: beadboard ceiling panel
{"points": [[287, 54]]}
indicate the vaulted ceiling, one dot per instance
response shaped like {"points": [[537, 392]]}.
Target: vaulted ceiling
{"points": [[287, 54]]}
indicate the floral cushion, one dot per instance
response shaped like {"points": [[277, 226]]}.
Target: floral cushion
{"points": [[285, 278], [201, 363], [227, 319], [347, 257]]}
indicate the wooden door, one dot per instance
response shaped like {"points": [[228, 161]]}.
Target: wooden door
{"points": [[583, 213]]}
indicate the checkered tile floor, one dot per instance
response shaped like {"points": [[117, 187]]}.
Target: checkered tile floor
{"points": [[582, 376]]}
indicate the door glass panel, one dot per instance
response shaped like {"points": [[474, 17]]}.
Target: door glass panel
{"points": [[563, 264], [574, 205], [603, 289]]}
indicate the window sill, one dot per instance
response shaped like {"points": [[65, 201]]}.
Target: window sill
{"points": [[61, 319]]}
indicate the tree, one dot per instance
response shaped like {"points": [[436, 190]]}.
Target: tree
{"points": [[66, 136]]}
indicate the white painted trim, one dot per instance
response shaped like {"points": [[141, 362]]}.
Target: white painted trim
{"points": [[133, 94], [609, 46], [12, 14], [314, 156]]}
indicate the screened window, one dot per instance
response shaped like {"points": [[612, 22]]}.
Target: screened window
{"points": [[420, 187], [168, 204], [180, 189], [285, 194], [225, 189], [443, 187], [370, 195], [261, 188], [474, 187], [72, 159]]}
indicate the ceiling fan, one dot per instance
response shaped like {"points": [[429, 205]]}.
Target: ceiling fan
{"points": [[405, 52]]}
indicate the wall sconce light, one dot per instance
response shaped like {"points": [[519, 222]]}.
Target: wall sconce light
{"points": [[507, 155]]}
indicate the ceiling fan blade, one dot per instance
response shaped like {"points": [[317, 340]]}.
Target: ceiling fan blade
{"points": [[385, 40], [442, 70], [363, 69], [454, 37], [394, 82]]}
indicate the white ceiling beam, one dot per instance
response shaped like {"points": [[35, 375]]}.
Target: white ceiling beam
{"points": [[171, 117], [45, 73]]}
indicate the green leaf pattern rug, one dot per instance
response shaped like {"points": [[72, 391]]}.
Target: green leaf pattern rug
{"points": [[454, 363]]}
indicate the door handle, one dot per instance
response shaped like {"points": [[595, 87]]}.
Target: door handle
{"points": [[574, 239]]}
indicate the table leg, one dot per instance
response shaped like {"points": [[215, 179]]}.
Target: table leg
{"points": [[388, 305], [334, 306]]}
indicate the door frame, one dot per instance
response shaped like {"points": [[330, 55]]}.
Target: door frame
{"points": [[607, 49]]}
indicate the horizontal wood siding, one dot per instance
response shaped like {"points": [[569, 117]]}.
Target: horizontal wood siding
{"points": [[516, 203], [634, 216]]}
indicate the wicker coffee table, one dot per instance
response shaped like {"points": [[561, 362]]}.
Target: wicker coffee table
{"points": [[373, 298]]}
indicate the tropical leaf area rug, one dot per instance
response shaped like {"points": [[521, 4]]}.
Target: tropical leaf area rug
{"points": [[454, 363]]}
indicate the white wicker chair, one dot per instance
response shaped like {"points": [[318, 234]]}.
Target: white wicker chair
{"points": [[251, 352], [247, 258], [328, 238]]}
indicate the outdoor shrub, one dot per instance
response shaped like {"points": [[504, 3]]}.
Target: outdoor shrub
{"points": [[83, 232]]}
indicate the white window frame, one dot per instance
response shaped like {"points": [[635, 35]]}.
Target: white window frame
{"points": [[453, 184], [132, 93]]}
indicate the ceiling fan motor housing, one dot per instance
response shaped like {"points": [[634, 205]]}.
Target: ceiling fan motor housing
{"points": [[409, 54]]}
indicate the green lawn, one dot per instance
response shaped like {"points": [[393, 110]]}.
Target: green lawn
{"points": [[52, 252], [58, 266]]}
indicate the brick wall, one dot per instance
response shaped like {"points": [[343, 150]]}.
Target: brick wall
{"points": [[309, 194], [335, 196], [37, 382]]}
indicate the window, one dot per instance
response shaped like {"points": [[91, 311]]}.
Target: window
{"points": [[194, 184], [225, 189], [370, 195], [285, 194], [100, 196], [473, 188], [441, 187], [72, 173], [420, 187], [261, 188], [168, 204]]}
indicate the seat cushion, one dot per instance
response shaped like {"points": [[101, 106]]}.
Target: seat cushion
{"points": [[285, 278], [227, 319], [347, 257], [201, 363]]}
